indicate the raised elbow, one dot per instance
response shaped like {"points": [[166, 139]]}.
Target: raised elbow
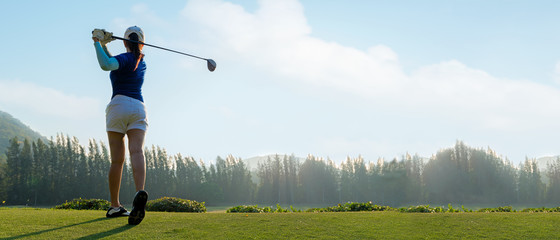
{"points": [[109, 64], [105, 67]]}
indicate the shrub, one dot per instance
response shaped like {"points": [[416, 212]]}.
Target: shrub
{"points": [[85, 204], [257, 209], [358, 207], [294, 210], [245, 209], [498, 209], [420, 209], [172, 204], [352, 207], [541, 209]]}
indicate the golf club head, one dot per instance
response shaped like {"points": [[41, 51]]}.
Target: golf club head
{"points": [[211, 65]]}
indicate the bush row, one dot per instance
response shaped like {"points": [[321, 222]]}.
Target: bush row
{"points": [[370, 207], [352, 207], [165, 204], [542, 209], [257, 209], [85, 204], [172, 204]]}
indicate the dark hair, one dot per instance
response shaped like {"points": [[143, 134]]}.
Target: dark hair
{"points": [[135, 48]]}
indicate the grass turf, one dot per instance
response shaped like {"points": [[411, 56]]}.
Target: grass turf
{"points": [[64, 224]]}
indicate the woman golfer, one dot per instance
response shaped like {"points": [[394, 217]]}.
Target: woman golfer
{"points": [[125, 116]]}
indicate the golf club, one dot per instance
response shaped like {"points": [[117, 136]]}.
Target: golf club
{"points": [[210, 63]]}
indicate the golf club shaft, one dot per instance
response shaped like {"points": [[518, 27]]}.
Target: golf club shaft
{"points": [[162, 48]]}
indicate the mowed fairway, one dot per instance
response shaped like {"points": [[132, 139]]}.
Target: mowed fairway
{"points": [[72, 224]]}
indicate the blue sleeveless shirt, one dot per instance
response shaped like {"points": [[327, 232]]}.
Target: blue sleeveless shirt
{"points": [[126, 81]]}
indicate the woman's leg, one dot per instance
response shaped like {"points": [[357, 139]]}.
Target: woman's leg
{"points": [[138, 163], [117, 148]]}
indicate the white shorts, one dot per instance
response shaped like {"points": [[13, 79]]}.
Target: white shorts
{"points": [[124, 113]]}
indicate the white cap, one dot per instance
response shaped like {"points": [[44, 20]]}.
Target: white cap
{"points": [[134, 29]]}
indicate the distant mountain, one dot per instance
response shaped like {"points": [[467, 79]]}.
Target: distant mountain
{"points": [[11, 127]]}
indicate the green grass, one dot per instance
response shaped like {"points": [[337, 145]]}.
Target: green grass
{"points": [[24, 223]]}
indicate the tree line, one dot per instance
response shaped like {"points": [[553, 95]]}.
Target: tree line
{"points": [[51, 172]]}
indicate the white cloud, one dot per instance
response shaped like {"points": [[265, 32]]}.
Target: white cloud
{"points": [[45, 101], [277, 37], [474, 95]]}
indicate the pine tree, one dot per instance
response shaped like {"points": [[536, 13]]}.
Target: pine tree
{"points": [[14, 172], [26, 160]]}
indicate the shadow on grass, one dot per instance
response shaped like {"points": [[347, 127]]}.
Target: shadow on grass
{"points": [[108, 233], [92, 236]]}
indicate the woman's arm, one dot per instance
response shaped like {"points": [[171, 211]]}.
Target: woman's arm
{"points": [[106, 61], [106, 50]]}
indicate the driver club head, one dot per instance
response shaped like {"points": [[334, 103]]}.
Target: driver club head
{"points": [[211, 65]]}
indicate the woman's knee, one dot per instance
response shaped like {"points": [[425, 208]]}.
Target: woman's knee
{"points": [[136, 152], [137, 159]]}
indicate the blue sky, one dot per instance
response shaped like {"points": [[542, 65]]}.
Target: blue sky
{"points": [[329, 78]]}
